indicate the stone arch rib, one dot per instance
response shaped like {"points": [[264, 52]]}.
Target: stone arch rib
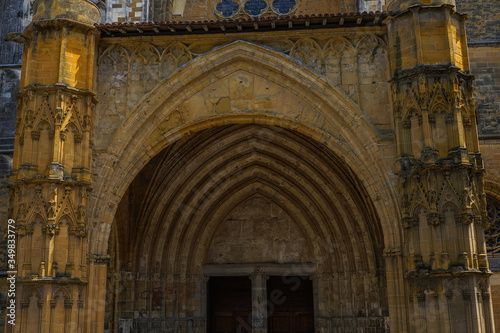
{"points": [[196, 183], [187, 195], [343, 129]]}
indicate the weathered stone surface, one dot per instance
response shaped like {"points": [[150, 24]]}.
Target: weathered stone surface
{"points": [[483, 19], [483, 35], [9, 87], [15, 17], [275, 214], [80, 11], [349, 155]]}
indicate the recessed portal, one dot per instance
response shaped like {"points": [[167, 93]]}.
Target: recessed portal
{"points": [[290, 304], [229, 304], [238, 204]]}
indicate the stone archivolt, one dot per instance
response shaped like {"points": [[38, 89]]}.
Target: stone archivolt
{"points": [[187, 107], [215, 197]]}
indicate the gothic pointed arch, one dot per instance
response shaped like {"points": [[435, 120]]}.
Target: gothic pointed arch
{"points": [[172, 110], [244, 194]]}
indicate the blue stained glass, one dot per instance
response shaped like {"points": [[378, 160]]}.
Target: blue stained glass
{"points": [[283, 6], [227, 7], [255, 7]]}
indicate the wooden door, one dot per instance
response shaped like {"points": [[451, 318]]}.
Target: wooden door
{"points": [[229, 304], [291, 306]]}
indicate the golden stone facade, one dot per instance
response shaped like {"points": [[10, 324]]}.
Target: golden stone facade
{"points": [[342, 149]]}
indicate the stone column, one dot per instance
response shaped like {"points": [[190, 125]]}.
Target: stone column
{"points": [[259, 301], [51, 176], [440, 171]]}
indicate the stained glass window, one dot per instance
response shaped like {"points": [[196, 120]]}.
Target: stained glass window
{"points": [[227, 7], [255, 7], [283, 6], [493, 232]]}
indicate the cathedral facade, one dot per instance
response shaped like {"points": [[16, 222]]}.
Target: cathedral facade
{"points": [[256, 166]]}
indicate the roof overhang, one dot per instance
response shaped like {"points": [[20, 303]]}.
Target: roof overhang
{"points": [[269, 23]]}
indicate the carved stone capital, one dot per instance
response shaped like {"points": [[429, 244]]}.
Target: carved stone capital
{"points": [[434, 219], [68, 303], [100, 259], [392, 251], [410, 222], [51, 229], [79, 231], [465, 218]]}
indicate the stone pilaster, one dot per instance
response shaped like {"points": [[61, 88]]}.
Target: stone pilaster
{"points": [[51, 177], [443, 203]]}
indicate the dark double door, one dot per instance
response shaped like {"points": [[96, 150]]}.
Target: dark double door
{"points": [[290, 305]]}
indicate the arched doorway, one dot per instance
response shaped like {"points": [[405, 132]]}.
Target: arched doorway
{"points": [[246, 200]]}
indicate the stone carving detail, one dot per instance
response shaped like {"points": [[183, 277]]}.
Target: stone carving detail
{"points": [[307, 51], [351, 324], [341, 60], [392, 252], [431, 201], [173, 57], [426, 112], [435, 193], [55, 122], [100, 259], [492, 233], [181, 325], [47, 117], [440, 171]]}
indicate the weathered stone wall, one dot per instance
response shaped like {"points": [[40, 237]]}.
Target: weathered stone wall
{"points": [[485, 65], [9, 88], [352, 62], [317, 140], [483, 36], [15, 17], [126, 11], [258, 230], [483, 19]]}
